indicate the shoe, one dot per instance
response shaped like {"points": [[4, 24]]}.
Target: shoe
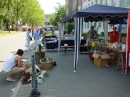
{"points": [[11, 80], [26, 82]]}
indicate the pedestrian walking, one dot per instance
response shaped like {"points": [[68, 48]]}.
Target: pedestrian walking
{"points": [[28, 39], [36, 37]]}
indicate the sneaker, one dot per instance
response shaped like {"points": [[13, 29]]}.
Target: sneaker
{"points": [[11, 80]]}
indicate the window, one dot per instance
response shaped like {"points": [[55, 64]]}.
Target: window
{"points": [[85, 25], [108, 2], [111, 26], [99, 24], [127, 2], [88, 25], [114, 2], [95, 1], [92, 3], [88, 5], [101, 1], [91, 23], [122, 4], [95, 24]]}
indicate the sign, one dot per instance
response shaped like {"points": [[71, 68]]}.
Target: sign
{"points": [[47, 17], [128, 44]]}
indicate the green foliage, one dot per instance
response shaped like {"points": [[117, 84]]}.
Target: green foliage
{"points": [[49, 34], [84, 35], [1, 23], [28, 11], [69, 27], [60, 12]]}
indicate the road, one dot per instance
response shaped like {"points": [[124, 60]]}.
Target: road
{"points": [[9, 44]]}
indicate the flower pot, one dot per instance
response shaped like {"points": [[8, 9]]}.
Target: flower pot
{"points": [[91, 56]]}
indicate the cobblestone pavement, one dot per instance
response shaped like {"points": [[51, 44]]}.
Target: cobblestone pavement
{"points": [[88, 81]]}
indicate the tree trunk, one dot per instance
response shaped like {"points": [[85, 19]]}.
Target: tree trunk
{"points": [[17, 18]]}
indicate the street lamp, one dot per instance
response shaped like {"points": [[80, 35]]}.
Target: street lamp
{"points": [[59, 29], [58, 12]]}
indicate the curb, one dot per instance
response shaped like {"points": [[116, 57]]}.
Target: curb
{"points": [[16, 89]]}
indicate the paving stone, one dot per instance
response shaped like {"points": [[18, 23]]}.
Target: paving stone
{"points": [[95, 82]]}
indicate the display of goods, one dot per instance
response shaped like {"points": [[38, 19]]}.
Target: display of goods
{"points": [[47, 63]]}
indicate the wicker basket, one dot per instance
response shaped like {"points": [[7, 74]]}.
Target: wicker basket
{"points": [[47, 65]]}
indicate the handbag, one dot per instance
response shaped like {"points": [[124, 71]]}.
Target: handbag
{"points": [[30, 38]]}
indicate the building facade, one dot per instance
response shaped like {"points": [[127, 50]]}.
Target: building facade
{"points": [[99, 25], [72, 6]]}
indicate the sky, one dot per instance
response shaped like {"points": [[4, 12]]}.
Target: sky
{"points": [[48, 5]]}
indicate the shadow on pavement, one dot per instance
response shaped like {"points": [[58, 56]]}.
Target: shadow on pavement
{"points": [[7, 86], [2, 61]]}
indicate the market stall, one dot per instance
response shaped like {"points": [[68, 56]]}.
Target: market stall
{"points": [[102, 12]]}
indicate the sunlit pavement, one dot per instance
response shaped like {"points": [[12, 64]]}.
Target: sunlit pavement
{"points": [[9, 44]]}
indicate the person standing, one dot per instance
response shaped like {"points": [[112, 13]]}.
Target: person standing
{"points": [[73, 33], [37, 37], [32, 32], [114, 35], [14, 65], [91, 34], [28, 39]]}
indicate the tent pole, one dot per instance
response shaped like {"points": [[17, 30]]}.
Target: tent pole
{"points": [[59, 40], [77, 42], [106, 30], [75, 31]]}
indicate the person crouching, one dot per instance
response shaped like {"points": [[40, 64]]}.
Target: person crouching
{"points": [[14, 65]]}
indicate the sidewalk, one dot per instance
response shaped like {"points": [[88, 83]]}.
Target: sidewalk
{"points": [[88, 81]]}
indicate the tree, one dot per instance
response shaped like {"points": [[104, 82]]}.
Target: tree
{"points": [[12, 11], [60, 12]]}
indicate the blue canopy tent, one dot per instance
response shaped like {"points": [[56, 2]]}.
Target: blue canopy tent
{"points": [[96, 12], [93, 13], [117, 21], [67, 19]]}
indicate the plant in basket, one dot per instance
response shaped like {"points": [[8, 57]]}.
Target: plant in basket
{"points": [[47, 63]]}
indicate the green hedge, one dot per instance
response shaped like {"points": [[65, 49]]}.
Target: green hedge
{"points": [[84, 35]]}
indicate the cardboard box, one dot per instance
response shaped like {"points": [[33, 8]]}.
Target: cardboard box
{"points": [[101, 59]]}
